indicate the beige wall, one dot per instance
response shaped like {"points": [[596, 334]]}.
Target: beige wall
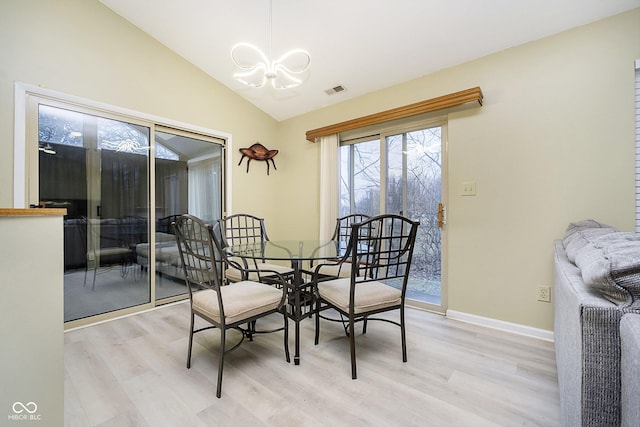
{"points": [[553, 142], [33, 342], [82, 48]]}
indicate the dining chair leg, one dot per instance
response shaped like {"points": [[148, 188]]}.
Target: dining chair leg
{"points": [[352, 344], [95, 272], [190, 342], [404, 335], [249, 330], [286, 334], [317, 317], [345, 324], [221, 361], [364, 326]]}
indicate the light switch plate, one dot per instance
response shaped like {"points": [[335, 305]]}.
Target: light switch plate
{"points": [[468, 188]]}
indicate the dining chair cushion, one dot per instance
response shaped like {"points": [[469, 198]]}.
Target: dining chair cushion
{"points": [[234, 275], [369, 296], [241, 300]]}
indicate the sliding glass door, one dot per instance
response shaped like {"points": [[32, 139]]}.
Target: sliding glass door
{"points": [[188, 179], [414, 189], [121, 255], [97, 168], [401, 172]]}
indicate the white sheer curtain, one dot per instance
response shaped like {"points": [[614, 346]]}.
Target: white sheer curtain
{"points": [[204, 185], [328, 185]]}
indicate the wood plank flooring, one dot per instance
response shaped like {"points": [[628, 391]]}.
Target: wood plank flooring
{"points": [[131, 372]]}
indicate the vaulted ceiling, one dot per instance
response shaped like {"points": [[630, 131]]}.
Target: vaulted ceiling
{"points": [[363, 45]]}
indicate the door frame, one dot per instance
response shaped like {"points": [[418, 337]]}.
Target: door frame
{"points": [[406, 126]]}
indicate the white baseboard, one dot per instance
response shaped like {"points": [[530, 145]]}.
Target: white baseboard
{"points": [[127, 315], [515, 328]]}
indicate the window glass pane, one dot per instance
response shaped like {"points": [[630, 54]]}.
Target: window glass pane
{"points": [[366, 177], [344, 205], [122, 137], [59, 126], [395, 174], [423, 194], [163, 152]]}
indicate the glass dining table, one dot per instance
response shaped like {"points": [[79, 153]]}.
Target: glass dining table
{"points": [[296, 252]]}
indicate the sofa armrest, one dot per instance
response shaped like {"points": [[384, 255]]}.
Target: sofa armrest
{"points": [[630, 369], [586, 331]]}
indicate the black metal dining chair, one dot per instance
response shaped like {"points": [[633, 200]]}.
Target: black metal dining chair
{"points": [[224, 306], [245, 229], [341, 234], [380, 252]]}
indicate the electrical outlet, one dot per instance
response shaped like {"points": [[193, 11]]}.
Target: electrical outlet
{"points": [[544, 293]]}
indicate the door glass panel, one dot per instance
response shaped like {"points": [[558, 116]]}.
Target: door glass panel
{"points": [[360, 178], [188, 174], [414, 189], [97, 168]]}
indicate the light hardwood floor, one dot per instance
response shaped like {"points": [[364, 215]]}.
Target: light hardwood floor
{"points": [[131, 372]]}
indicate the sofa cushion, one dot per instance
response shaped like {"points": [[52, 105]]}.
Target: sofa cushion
{"points": [[580, 233], [610, 264]]}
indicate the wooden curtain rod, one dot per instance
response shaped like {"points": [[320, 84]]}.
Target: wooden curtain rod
{"points": [[446, 101]]}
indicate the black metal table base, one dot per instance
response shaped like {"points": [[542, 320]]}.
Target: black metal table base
{"points": [[300, 297]]}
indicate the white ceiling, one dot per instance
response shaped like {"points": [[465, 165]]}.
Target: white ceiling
{"points": [[364, 45]]}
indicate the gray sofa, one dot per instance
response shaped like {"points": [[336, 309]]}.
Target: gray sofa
{"points": [[168, 260], [597, 282], [630, 368]]}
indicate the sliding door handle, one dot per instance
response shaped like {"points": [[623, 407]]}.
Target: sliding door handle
{"points": [[442, 215]]}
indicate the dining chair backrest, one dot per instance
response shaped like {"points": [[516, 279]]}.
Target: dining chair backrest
{"points": [[200, 259], [342, 232], [243, 229], [382, 249]]}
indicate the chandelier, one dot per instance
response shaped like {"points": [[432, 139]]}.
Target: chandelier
{"points": [[258, 69]]}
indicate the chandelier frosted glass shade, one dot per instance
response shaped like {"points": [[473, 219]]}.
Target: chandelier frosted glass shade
{"points": [[257, 69]]}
